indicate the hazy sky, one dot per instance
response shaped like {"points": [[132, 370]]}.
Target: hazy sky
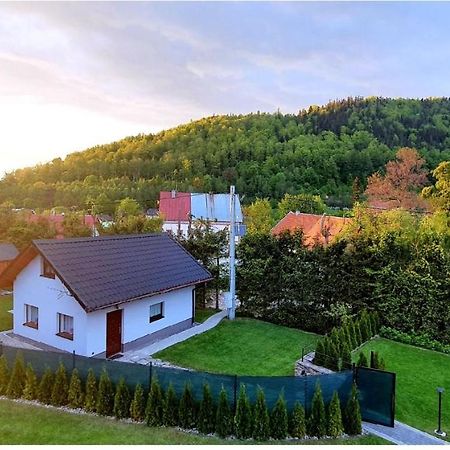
{"points": [[74, 75]]}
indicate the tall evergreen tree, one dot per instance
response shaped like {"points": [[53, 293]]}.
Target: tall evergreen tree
{"points": [[317, 422], [224, 418], [358, 335], [105, 395], [362, 360], [346, 358], [365, 332], [75, 396], [122, 400], [335, 427], [243, 419], [352, 416], [333, 356], [279, 419], [298, 422], [261, 428], [17, 379], [30, 391], [46, 386], [90, 400], [137, 406], [60, 387], [319, 355], [4, 375], [155, 404], [171, 406], [206, 416], [187, 412]]}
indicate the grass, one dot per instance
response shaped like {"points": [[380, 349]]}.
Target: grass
{"points": [[6, 318], [242, 347], [419, 373], [202, 314], [30, 424]]}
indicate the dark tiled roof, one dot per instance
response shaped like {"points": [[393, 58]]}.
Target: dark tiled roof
{"points": [[7, 251], [105, 271]]}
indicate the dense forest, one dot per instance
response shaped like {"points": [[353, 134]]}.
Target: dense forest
{"points": [[320, 150]]}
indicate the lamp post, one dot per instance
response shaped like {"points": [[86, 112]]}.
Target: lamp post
{"points": [[439, 432]]}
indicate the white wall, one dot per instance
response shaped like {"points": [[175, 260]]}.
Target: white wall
{"points": [[51, 297], [184, 226]]}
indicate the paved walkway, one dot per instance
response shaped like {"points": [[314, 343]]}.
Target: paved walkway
{"points": [[403, 434], [9, 339], [143, 355]]}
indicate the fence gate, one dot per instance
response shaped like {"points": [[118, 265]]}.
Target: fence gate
{"points": [[376, 395]]}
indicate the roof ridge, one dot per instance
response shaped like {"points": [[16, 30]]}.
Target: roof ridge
{"points": [[115, 237]]}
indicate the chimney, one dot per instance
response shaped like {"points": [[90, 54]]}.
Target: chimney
{"points": [[173, 193]]}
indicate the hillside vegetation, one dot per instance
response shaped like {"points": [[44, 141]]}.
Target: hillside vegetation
{"points": [[320, 151]]}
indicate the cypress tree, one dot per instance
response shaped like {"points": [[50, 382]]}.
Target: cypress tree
{"points": [[105, 395], [336, 339], [365, 332], [170, 413], [206, 416], [155, 404], [352, 416], [243, 419], [30, 391], [373, 323], [319, 355], [17, 378], [298, 422], [75, 396], [343, 339], [224, 421], [362, 360], [46, 386], [328, 349], [346, 358], [122, 400], [351, 335], [137, 406], [335, 427], [357, 329], [90, 400], [374, 363], [187, 408], [4, 375], [261, 428], [279, 419], [60, 387], [317, 423], [333, 356]]}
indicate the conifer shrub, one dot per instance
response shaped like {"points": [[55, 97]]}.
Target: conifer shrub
{"points": [[362, 360], [171, 406], [279, 419], [335, 427], [336, 339], [317, 421], [75, 397], [90, 399], [224, 418], [46, 386], [351, 335], [297, 424], [60, 387], [17, 378], [365, 332], [346, 358], [326, 351], [358, 335], [352, 415], [343, 339], [187, 409], [243, 419], [122, 400], [261, 426], [333, 356], [319, 355], [4, 375], [105, 395], [137, 406], [206, 413], [373, 323], [155, 404], [30, 391]]}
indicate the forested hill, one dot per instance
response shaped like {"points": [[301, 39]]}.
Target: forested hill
{"points": [[321, 150]]}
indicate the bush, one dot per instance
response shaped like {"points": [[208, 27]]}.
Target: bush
{"points": [[333, 356], [224, 420], [279, 419], [187, 409], [30, 391], [365, 332], [357, 331], [170, 413], [155, 404], [336, 339], [346, 358], [206, 416], [46, 387], [335, 427], [317, 422], [4, 375], [298, 422], [261, 426], [17, 378], [352, 416], [373, 323], [137, 406], [90, 400], [362, 360], [243, 419], [351, 335], [75, 396], [105, 395], [320, 352], [122, 400], [60, 387]]}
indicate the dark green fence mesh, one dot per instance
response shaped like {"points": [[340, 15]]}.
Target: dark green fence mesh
{"points": [[376, 387]]}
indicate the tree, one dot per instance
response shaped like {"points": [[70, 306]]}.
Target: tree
{"points": [[128, 207], [170, 413], [298, 422], [346, 358], [352, 416], [206, 416], [439, 194], [4, 375], [132, 225], [335, 427], [261, 428], [105, 395], [224, 419], [74, 226], [279, 419], [258, 216], [17, 379], [60, 387], [305, 203], [90, 400], [155, 404], [356, 190], [46, 386], [243, 419], [317, 422], [187, 412], [362, 360], [137, 406], [122, 400], [75, 396], [319, 354], [30, 391]]}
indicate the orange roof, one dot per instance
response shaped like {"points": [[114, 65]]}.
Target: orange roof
{"points": [[293, 221]]}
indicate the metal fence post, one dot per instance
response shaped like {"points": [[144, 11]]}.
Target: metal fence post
{"points": [[235, 393], [73, 359], [150, 369]]}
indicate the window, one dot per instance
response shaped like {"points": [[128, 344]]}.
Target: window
{"points": [[65, 326], [156, 312], [47, 269], [31, 316]]}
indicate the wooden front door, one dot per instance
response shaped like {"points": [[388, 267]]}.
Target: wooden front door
{"points": [[113, 333]]}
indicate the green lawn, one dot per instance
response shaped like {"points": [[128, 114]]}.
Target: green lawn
{"points": [[29, 424], [242, 347], [202, 314], [6, 304], [419, 373]]}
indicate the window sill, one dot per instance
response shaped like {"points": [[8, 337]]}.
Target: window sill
{"points": [[34, 325], [65, 335], [156, 318]]}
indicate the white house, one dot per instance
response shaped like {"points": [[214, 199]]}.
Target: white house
{"points": [[103, 295]]}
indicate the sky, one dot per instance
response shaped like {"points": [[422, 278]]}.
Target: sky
{"points": [[74, 75]]}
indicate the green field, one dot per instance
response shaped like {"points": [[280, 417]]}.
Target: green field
{"points": [[419, 373], [29, 424], [6, 318], [242, 347]]}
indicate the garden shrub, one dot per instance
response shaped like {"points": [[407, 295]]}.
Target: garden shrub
{"points": [[30, 391], [319, 355], [243, 419], [155, 404], [90, 400], [279, 419], [335, 427], [105, 395], [4, 375], [352, 415], [224, 418], [206, 416], [137, 406], [75, 396], [261, 426], [17, 378], [346, 358], [122, 400], [187, 409], [60, 387], [170, 413], [362, 360], [317, 421], [46, 386], [297, 428]]}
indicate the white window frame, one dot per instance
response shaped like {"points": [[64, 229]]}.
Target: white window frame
{"points": [[65, 331], [30, 310], [160, 315]]}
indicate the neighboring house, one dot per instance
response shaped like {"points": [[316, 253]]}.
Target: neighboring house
{"points": [[317, 229], [180, 209], [57, 220], [8, 253], [101, 295]]}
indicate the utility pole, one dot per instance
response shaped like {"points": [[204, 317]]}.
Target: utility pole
{"points": [[232, 310]]}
